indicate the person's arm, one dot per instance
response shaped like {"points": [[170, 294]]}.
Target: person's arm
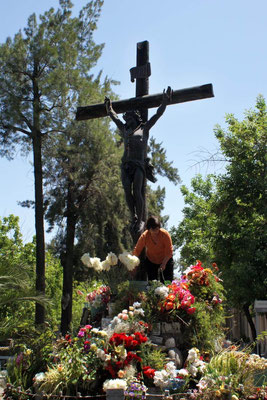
{"points": [[140, 245], [168, 250], [113, 115], [166, 98]]}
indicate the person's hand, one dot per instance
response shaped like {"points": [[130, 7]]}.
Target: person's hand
{"points": [[162, 267], [107, 103], [167, 94]]}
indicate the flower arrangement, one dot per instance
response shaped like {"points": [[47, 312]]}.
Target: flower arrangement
{"points": [[99, 297], [169, 303]]}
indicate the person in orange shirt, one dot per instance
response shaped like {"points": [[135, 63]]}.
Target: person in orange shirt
{"points": [[158, 244]]}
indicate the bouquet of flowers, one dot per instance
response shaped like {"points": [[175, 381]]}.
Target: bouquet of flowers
{"points": [[204, 283], [99, 297], [169, 303]]}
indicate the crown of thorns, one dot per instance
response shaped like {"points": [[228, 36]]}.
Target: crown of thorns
{"points": [[134, 113]]}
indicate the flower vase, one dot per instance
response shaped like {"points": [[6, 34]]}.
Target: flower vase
{"points": [[115, 394]]}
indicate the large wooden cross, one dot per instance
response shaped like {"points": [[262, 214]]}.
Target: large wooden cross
{"points": [[142, 100]]}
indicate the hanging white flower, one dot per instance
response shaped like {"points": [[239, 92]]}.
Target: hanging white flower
{"points": [[96, 263], [106, 265], [112, 259], [130, 261], [86, 260]]}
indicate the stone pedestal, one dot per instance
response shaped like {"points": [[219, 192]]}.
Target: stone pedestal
{"points": [[115, 394]]}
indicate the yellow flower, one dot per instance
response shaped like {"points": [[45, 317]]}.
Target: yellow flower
{"points": [[28, 352], [93, 347], [218, 393]]}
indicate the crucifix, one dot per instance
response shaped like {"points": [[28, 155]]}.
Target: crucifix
{"points": [[135, 167]]}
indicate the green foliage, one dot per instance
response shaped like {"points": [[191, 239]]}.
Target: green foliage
{"points": [[154, 357], [241, 206], [32, 353], [17, 294], [224, 217], [196, 231]]}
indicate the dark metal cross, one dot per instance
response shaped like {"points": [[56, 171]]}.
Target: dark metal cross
{"points": [[142, 102]]}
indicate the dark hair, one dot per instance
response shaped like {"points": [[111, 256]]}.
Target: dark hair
{"points": [[153, 222]]}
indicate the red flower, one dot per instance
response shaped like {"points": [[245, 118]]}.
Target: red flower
{"points": [[149, 372], [191, 310], [169, 305], [141, 338]]}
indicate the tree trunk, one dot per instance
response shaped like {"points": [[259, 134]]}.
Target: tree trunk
{"points": [[250, 321], [67, 263], [39, 225]]}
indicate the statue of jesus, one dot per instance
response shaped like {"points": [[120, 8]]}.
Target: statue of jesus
{"points": [[135, 166]]}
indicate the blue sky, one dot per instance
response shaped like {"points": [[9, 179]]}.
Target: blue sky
{"points": [[192, 42]]}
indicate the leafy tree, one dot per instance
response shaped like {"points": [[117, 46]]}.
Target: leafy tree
{"points": [[195, 234], [227, 219], [240, 242], [40, 72], [17, 293]]}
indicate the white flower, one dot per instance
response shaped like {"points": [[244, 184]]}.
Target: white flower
{"points": [[101, 354], [105, 265], [112, 259], [139, 311], [183, 372], [130, 261], [162, 291], [202, 384], [192, 370], [171, 370], [86, 260], [161, 378], [95, 330], [130, 371], [39, 377], [96, 264], [115, 384], [136, 305], [192, 355]]}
